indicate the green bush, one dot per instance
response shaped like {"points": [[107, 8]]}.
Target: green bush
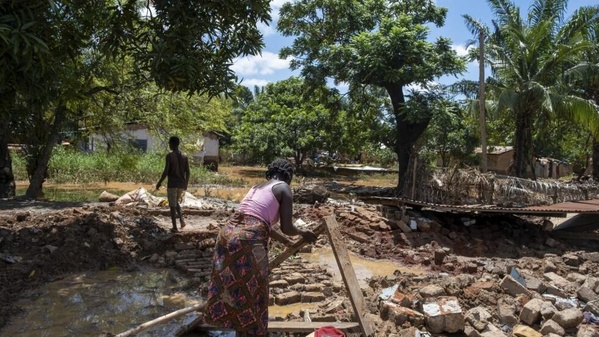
{"points": [[69, 166]]}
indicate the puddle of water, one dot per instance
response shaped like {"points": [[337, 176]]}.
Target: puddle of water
{"points": [[283, 311], [107, 301], [364, 268]]}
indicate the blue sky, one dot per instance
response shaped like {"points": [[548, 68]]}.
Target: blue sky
{"points": [[262, 69]]}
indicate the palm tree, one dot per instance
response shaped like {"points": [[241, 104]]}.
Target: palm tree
{"points": [[528, 58]]}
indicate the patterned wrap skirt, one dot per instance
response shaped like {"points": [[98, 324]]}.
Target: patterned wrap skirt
{"points": [[238, 291]]}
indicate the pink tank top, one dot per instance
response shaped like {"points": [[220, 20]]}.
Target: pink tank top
{"points": [[262, 203]]}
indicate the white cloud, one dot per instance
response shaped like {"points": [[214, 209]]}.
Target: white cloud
{"points": [[461, 50], [275, 6], [251, 82], [264, 64], [267, 30]]}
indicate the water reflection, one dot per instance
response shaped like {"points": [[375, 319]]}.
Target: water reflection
{"points": [[107, 301]]}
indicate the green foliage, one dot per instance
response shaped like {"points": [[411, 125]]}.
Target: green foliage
{"points": [[528, 57], [377, 42], [72, 167], [285, 121]]}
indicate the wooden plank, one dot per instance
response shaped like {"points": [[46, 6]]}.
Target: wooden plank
{"points": [[348, 275], [296, 247], [278, 326]]}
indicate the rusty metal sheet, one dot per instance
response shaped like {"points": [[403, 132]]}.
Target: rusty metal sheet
{"points": [[560, 209]]}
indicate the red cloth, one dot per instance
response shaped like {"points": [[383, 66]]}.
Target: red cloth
{"points": [[328, 331]]}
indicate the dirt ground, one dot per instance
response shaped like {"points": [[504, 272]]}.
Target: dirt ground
{"points": [[467, 257]]}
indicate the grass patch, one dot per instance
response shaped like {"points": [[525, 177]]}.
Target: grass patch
{"points": [[73, 167]]}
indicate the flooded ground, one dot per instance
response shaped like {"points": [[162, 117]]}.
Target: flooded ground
{"points": [[87, 304], [364, 268]]}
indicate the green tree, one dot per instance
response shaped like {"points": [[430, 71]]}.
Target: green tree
{"points": [[51, 53], [528, 57], [285, 119], [379, 43]]}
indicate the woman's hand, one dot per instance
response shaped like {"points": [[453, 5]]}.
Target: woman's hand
{"points": [[307, 235]]}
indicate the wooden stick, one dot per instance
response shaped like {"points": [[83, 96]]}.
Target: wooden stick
{"points": [[162, 319]]}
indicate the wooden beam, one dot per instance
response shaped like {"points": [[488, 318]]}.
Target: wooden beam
{"points": [[296, 247], [574, 235], [278, 326], [348, 275]]}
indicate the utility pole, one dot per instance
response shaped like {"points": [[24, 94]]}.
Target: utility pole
{"points": [[481, 103]]}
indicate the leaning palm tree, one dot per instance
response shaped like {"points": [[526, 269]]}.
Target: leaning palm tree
{"points": [[528, 58]]}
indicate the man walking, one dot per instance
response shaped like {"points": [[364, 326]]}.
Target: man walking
{"points": [[176, 169]]}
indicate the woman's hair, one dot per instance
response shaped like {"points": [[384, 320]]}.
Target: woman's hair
{"points": [[281, 168]]}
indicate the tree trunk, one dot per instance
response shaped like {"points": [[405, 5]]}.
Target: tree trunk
{"points": [[408, 133], [39, 176], [7, 178], [595, 161], [523, 147]]}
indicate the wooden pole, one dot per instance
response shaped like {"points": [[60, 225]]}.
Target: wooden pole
{"points": [[296, 247], [162, 319], [349, 276], [481, 103]]}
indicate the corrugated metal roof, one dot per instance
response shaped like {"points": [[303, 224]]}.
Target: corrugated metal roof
{"points": [[582, 206]]}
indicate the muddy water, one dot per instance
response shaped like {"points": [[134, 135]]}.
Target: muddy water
{"points": [[364, 268], [106, 301]]}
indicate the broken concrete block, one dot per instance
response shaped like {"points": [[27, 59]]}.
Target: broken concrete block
{"points": [[295, 278], [278, 284], [432, 290], [512, 287], [586, 330], [405, 300], [399, 315], [525, 331], [571, 260], [492, 331], [555, 291], [552, 326], [534, 284], [478, 317], [311, 297], [568, 318], [576, 278], [531, 312], [469, 331], [443, 314], [592, 306], [557, 280], [506, 312], [288, 298], [585, 294], [549, 267], [440, 255], [548, 310]]}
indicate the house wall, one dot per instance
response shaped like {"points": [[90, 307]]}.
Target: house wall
{"points": [[499, 163], [140, 137]]}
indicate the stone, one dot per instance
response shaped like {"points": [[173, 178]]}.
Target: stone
{"points": [[492, 331], [571, 260], [586, 330], [295, 278], [506, 312], [400, 315], [551, 242], [576, 278], [557, 280], [432, 290], [440, 255], [512, 287], [107, 197], [288, 298], [278, 284], [548, 310], [534, 284], [592, 306], [531, 312], [569, 318], [552, 326], [470, 331], [409, 332], [585, 294], [311, 297], [405, 300], [478, 317], [555, 291], [549, 267], [443, 314], [525, 331]]}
